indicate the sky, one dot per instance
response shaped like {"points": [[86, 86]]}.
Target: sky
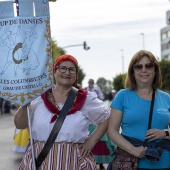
{"points": [[113, 29]]}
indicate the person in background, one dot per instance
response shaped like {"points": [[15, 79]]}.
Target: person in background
{"points": [[103, 149], [72, 147], [91, 87], [1, 105], [130, 110], [5, 106]]}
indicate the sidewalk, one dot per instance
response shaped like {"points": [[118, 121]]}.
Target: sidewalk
{"points": [[9, 160]]}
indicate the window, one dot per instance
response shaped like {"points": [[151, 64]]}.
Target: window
{"points": [[163, 36]]}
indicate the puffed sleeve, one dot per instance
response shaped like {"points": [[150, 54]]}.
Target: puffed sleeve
{"points": [[95, 109]]}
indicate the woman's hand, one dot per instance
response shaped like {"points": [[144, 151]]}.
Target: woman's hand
{"points": [[21, 117], [90, 142], [86, 147], [153, 134], [139, 152]]}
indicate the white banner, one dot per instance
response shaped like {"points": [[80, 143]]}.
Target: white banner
{"points": [[25, 51]]}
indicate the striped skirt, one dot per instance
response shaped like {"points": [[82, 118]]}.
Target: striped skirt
{"points": [[62, 156]]}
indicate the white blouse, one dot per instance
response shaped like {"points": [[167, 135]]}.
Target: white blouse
{"points": [[75, 126]]}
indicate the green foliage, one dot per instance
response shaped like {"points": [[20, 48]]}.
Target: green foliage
{"points": [[56, 51], [165, 71], [81, 76], [123, 78], [119, 81]]}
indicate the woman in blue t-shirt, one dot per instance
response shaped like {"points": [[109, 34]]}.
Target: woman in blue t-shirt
{"points": [[130, 111]]}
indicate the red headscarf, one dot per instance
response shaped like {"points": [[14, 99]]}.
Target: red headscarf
{"points": [[67, 57]]}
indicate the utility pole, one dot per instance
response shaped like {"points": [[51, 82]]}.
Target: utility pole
{"points": [[143, 40], [122, 54]]}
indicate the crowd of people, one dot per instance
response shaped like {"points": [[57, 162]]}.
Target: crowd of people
{"points": [[91, 132]]}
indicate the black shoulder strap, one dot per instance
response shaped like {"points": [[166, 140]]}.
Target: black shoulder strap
{"points": [[57, 127], [150, 114]]}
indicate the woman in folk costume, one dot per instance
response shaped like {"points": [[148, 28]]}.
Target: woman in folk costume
{"points": [[72, 147]]}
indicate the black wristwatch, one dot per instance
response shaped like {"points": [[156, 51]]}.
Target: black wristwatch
{"points": [[166, 132]]}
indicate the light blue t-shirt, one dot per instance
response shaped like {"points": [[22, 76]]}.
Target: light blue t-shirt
{"points": [[136, 116]]}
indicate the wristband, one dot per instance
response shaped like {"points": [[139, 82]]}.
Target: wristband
{"points": [[166, 132]]}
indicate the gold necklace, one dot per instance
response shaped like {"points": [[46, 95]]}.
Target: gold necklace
{"points": [[146, 97], [51, 98]]}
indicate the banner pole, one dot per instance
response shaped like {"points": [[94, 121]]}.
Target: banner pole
{"points": [[31, 139]]}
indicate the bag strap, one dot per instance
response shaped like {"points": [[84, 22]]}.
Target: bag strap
{"points": [[57, 127], [150, 115]]}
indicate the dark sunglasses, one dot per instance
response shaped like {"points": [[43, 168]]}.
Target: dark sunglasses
{"points": [[148, 66]]}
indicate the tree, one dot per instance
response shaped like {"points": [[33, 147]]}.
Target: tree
{"points": [[119, 81], [81, 75], [56, 51], [165, 71]]}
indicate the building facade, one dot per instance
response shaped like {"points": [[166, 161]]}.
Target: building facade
{"points": [[165, 38]]}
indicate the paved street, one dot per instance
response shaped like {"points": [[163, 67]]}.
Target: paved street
{"points": [[9, 160]]}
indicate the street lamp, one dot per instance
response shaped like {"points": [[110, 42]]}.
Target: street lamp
{"points": [[85, 47], [122, 54], [143, 40]]}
